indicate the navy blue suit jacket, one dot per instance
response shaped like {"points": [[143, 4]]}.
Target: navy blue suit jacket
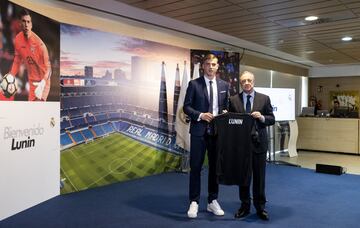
{"points": [[197, 101]]}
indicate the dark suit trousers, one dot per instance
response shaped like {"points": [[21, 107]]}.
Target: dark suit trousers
{"points": [[198, 147], [258, 172]]}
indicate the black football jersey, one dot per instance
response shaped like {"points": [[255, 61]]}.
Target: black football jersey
{"points": [[235, 134]]}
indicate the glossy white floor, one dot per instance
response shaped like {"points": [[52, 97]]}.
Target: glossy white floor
{"points": [[309, 159]]}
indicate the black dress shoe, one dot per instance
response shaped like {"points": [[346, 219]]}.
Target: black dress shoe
{"points": [[242, 212], [263, 215]]}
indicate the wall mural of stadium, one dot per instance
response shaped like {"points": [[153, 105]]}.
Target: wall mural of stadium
{"points": [[118, 99]]}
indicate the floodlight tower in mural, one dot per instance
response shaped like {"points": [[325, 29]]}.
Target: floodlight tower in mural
{"points": [[163, 109], [176, 95]]}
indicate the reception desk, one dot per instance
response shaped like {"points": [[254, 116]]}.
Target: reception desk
{"points": [[329, 134]]}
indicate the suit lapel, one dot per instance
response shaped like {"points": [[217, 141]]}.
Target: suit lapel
{"points": [[218, 91], [256, 103], [241, 103]]}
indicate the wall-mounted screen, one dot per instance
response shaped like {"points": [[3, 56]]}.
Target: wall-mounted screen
{"points": [[282, 100]]}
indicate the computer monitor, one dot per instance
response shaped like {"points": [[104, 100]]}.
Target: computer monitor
{"points": [[341, 112], [308, 111]]}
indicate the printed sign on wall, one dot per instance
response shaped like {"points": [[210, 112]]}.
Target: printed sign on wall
{"points": [[29, 131]]}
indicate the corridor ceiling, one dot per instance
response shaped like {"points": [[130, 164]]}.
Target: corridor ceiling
{"points": [[277, 24]]}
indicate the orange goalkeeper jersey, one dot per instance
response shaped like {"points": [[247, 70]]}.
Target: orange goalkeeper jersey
{"points": [[33, 53]]}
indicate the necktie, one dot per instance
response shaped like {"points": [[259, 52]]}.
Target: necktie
{"points": [[248, 104], [211, 97]]}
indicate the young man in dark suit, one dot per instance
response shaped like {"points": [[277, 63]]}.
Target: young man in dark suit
{"points": [[259, 107], [205, 98]]}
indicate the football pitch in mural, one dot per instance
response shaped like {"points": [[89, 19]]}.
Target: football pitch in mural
{"points": [[119, 97]]}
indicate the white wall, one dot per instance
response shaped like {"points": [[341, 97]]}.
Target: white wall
{"points": [[334, 71], [31, 175]]}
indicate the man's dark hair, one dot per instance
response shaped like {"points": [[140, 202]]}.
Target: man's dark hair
{"points": [[336, 102], [23, 12]]}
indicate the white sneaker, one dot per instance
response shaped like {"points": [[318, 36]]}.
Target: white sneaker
{"points": [[215, 208], [193, 209]]}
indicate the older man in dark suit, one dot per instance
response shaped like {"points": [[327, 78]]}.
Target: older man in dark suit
{"points": [[259, 106], [205, 98]]}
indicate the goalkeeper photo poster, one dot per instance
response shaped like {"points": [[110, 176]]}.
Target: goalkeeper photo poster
{"points": [[30, 50], [29, 108]]}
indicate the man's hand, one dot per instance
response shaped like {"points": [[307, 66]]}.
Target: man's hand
{"points": [[207, 116], [257, 115], [40, 86]]}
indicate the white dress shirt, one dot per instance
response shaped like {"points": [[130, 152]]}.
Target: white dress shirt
{"points": [[215, 103]]}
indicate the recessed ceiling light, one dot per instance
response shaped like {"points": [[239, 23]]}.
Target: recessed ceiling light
{"points": [[311, 18], [346, 38], [309, 52]]}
